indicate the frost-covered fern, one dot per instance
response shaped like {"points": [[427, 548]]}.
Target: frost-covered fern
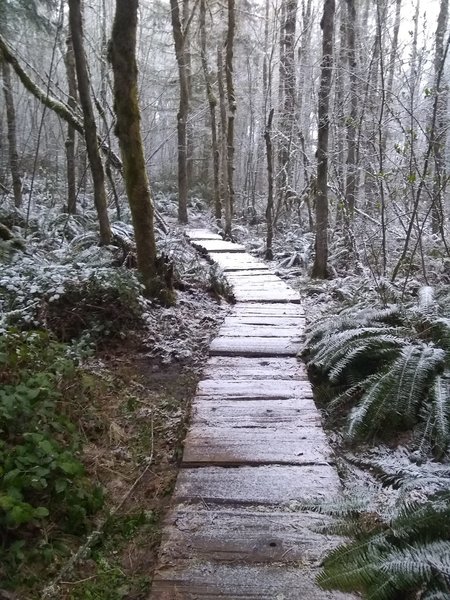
{"points": [[389, 367], [407, 554]]}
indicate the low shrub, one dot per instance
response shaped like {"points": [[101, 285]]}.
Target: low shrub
{"points": [[44, 490]]}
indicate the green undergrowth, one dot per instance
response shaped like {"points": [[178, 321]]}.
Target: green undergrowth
{"points": [[45, 494], [87, 444]]}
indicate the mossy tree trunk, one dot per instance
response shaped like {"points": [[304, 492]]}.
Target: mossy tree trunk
{"points": [[69, 60], [231, 97], [179, 36], [122, 55], [12, 138], [90, 127], [212, 101], [320, 267]]}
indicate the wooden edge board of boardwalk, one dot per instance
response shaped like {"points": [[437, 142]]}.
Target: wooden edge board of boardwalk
{"points": [[254, 451]]}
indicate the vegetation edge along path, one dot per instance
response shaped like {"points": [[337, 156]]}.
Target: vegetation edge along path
{"points": [[254, 451]]}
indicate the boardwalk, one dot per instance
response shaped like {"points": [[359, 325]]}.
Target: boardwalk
{"points": [[255, 446]]}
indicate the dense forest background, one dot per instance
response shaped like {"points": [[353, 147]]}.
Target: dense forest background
{"points": [[313, 131], [385, 116]]}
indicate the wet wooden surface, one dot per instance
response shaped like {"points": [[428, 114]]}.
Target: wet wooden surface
{"points": [[254, 450]]}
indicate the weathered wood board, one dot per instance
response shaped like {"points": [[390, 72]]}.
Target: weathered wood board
{"points": [[262, 388], [266, 310], [246, 535], [237, 367], [263, 320], [271, 296], [257, 279], [215, 245], [202, 234], [232, 261], [215, 581], [263, 412], [253, 346], [263, 485], [242, 330], [206, 445]]}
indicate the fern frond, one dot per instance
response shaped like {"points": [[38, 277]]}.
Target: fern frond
{"points": [[440, 413], [375, 399], [417, 564]]}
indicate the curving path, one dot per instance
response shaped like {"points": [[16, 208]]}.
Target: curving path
{"points": [[254, 447]]}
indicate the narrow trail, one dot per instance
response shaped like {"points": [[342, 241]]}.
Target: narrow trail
{"points": [[255, 446]]}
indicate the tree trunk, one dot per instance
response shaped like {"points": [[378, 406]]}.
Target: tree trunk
{"points": [[90, 128], [69, 61], [225, 188], [350, 183], [437, 212], [269, 209], [212, 101], [12, 139], [122, 54], [179, 39], [320, 267], [287, 108], [231, 98]]}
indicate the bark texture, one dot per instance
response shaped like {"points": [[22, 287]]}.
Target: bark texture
{"points": [[183, 110], [90, 127], [12, 138], [212, 102], [122, 54], [320, 267], [69, 60], [231, 97]]}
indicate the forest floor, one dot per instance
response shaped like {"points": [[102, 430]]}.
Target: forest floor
{"points": [[133, 432]]}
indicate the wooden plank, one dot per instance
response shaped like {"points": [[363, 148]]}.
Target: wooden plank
{"points": [[212, 581], [225, 412], [263, 485], [202, 234], [206, 445], [266, 272], [258, 278], [261, 388], [263, 309], [269, 296], [253, 346], [237, 367], [246, 536], [265, 321], [243, 330], [213, 245], [229, 261]]}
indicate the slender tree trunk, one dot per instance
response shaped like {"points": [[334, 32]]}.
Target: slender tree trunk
{"points": [[350, 183], [69, 61], [12, 138], [58, 107], [225, 188], [212, 101], [320, 267], [287, 108], [122, 54], [90, 128], [437, 212], [231, 98], [189, 128], [183, 110], [269, 209]]}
